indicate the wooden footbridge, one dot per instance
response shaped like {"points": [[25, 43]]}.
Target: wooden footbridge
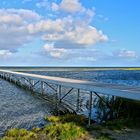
{"points": [[56, 89]]}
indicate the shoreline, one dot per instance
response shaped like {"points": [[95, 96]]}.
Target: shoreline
{"points": [[70, 68]]}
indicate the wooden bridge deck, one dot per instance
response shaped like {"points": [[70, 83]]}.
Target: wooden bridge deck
{"points": [[103, 88]]}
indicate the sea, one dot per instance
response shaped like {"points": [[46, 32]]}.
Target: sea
{"points": [[20, 109]]}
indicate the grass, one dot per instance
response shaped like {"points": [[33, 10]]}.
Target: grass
{"points": [[78, 119], [66, 127], [19, 134], [105, 136], [69, 127], [64, 131], [121, 124]]}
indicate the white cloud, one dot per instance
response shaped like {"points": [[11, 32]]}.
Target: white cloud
{"points": [[46, 26], [124, 53], [13, 28], [85, 55], [83, 36], [67, 31], [20, 26], [80, 55], [5, 53], [74, 8], [55, 52], [8, 18], [88, 58], [70, 6], [25, 14], [55, 7], [43, 4]]}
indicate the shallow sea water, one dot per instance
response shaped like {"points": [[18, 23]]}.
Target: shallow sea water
{"points": [[18, 108]]}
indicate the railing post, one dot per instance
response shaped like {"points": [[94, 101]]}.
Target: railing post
{"points": [[10, 79], [19, 82], [42, 87], [78, 100], [32, 85], [59, 93], [6, 77], [90, 108], [15, 81]]}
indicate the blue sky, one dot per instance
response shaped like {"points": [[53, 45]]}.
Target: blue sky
{"points": [[69, 33]]}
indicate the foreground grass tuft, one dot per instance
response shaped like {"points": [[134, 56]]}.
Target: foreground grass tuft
{"points": [[66, 127], [77, 119], [105, 136], [64, 131], [19, 134]]}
